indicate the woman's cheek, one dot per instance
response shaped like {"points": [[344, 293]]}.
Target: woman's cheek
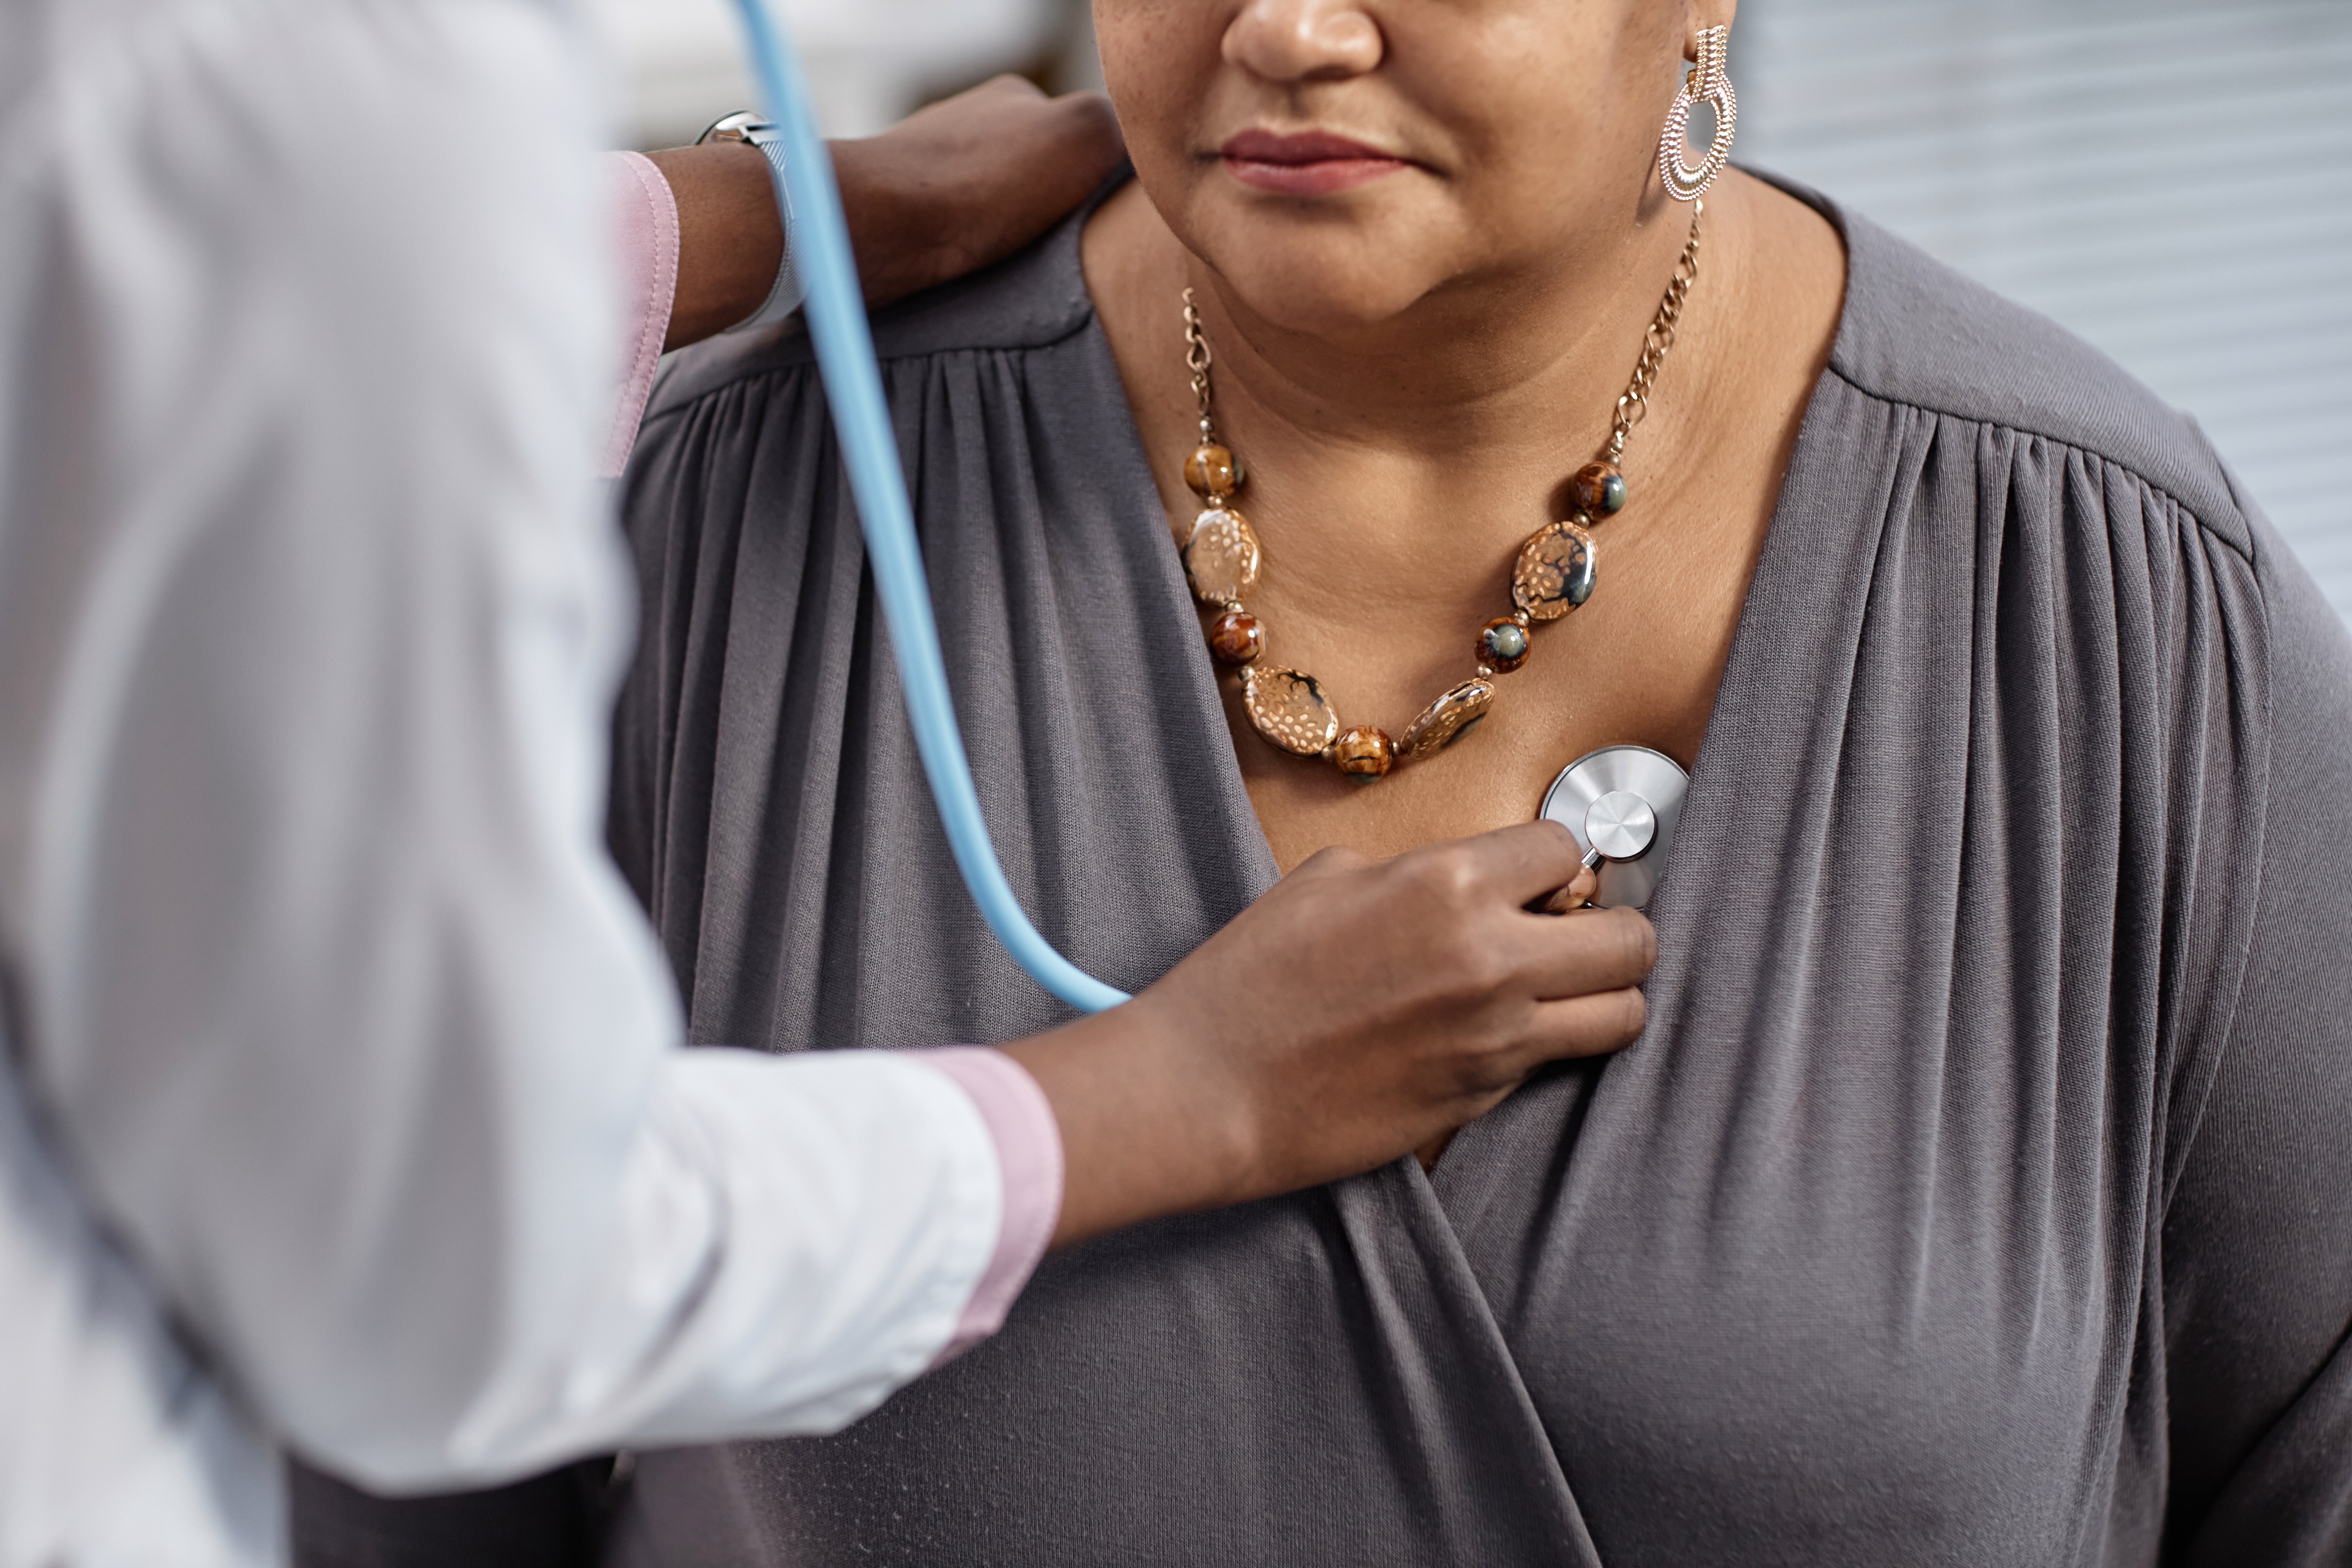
{"points": [[1156, 57]]}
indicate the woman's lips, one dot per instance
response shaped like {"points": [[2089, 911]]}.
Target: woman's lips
{"points": [[1310, 164]]}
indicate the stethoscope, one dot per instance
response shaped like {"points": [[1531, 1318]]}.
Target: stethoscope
{"points": [[1622, 803]]}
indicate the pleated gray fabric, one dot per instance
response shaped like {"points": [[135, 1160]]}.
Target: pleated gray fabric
{"points": [[1981, 1192]]}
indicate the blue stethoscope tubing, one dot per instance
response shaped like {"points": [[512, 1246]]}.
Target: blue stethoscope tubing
{"points": [[834, 310]]}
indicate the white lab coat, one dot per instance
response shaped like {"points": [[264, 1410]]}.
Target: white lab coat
{"points": [[342, 1105]]}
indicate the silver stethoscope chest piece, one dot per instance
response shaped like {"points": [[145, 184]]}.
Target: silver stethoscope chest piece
{"points": [[1623, 804]]}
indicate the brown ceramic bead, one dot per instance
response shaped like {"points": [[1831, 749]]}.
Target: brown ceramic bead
{"points": [[1288, 707], [1599, 489], [1503, 644], [1211, 470], [1222, 560], [1453, 715], [1364, 753], [1235, 638], [1554, 573]]}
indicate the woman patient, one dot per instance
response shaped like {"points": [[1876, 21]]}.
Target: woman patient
{"points": [[1978, 1192]]}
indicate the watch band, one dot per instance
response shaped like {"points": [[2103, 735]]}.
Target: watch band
{"points": [[747, 127]]}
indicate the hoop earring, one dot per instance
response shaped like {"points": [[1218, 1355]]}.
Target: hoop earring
{"points": [[1707, 81]]}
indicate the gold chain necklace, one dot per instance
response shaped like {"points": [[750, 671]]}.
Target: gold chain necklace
{"points": [[1553, 574]]}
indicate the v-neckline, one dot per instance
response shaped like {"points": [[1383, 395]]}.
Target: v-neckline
{"points": [[1753, 625]]}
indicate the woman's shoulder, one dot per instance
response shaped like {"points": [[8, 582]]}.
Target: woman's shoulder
{"points": [[1918, 334], [1032, 299]]}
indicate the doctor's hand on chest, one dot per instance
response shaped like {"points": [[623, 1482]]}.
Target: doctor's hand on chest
{"points": [[1361, 1010]]}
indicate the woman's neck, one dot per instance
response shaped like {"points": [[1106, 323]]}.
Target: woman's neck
{"points": [[1487, 369], [1499, 368]]}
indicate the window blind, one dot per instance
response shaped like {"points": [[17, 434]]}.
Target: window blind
{"points": [[2171, 179]]}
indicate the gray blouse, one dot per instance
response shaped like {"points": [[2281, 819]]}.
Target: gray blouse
{"points": [[1981, 1192]]}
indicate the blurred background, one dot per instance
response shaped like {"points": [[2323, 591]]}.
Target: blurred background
{"points": [[2171, 179]]}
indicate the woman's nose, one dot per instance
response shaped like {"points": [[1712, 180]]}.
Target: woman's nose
{"points": [[1303, 40]]}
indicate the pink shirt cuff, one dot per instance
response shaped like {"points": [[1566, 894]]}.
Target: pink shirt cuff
{"points": [[1029, 1161], [648, 212]]}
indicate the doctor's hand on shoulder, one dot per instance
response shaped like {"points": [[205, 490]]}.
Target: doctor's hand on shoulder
{"points": [[951, 188]]}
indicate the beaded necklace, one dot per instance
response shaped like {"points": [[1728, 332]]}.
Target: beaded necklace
{"points": [[1554, 573]]}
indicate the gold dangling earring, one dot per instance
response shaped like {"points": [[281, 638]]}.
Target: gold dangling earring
{"points": [[1706, 82]]}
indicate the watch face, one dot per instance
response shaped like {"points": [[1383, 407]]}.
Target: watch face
{"points": [[735, 127]]}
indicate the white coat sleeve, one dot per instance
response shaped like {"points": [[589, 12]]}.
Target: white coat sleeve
{"points": [[310, 616]]}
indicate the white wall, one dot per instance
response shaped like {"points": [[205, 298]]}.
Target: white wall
{"points": [[868, 60], [2172, 179]]}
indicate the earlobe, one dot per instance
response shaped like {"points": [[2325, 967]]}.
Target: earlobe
{"points": [[1704, 17]]}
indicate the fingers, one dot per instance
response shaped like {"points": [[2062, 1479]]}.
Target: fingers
{"points": [[969, 180], [1575, 896], [1006, 86], [1512, 864], [1586, 950], [979, 108], [1078, 147], [1086, 110], [1009, 130], [1091, 120], [1330, 861], [1589, 1025]]}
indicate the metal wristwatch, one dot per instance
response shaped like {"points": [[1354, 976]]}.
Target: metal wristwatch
{"points": [[747, 126]]}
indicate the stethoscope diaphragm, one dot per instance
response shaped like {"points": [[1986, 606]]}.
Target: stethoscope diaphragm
{"points": [[1623, 803]]}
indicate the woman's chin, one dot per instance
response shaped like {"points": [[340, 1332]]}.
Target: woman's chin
{"points": [[1323, 291], [1323, 267]]}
